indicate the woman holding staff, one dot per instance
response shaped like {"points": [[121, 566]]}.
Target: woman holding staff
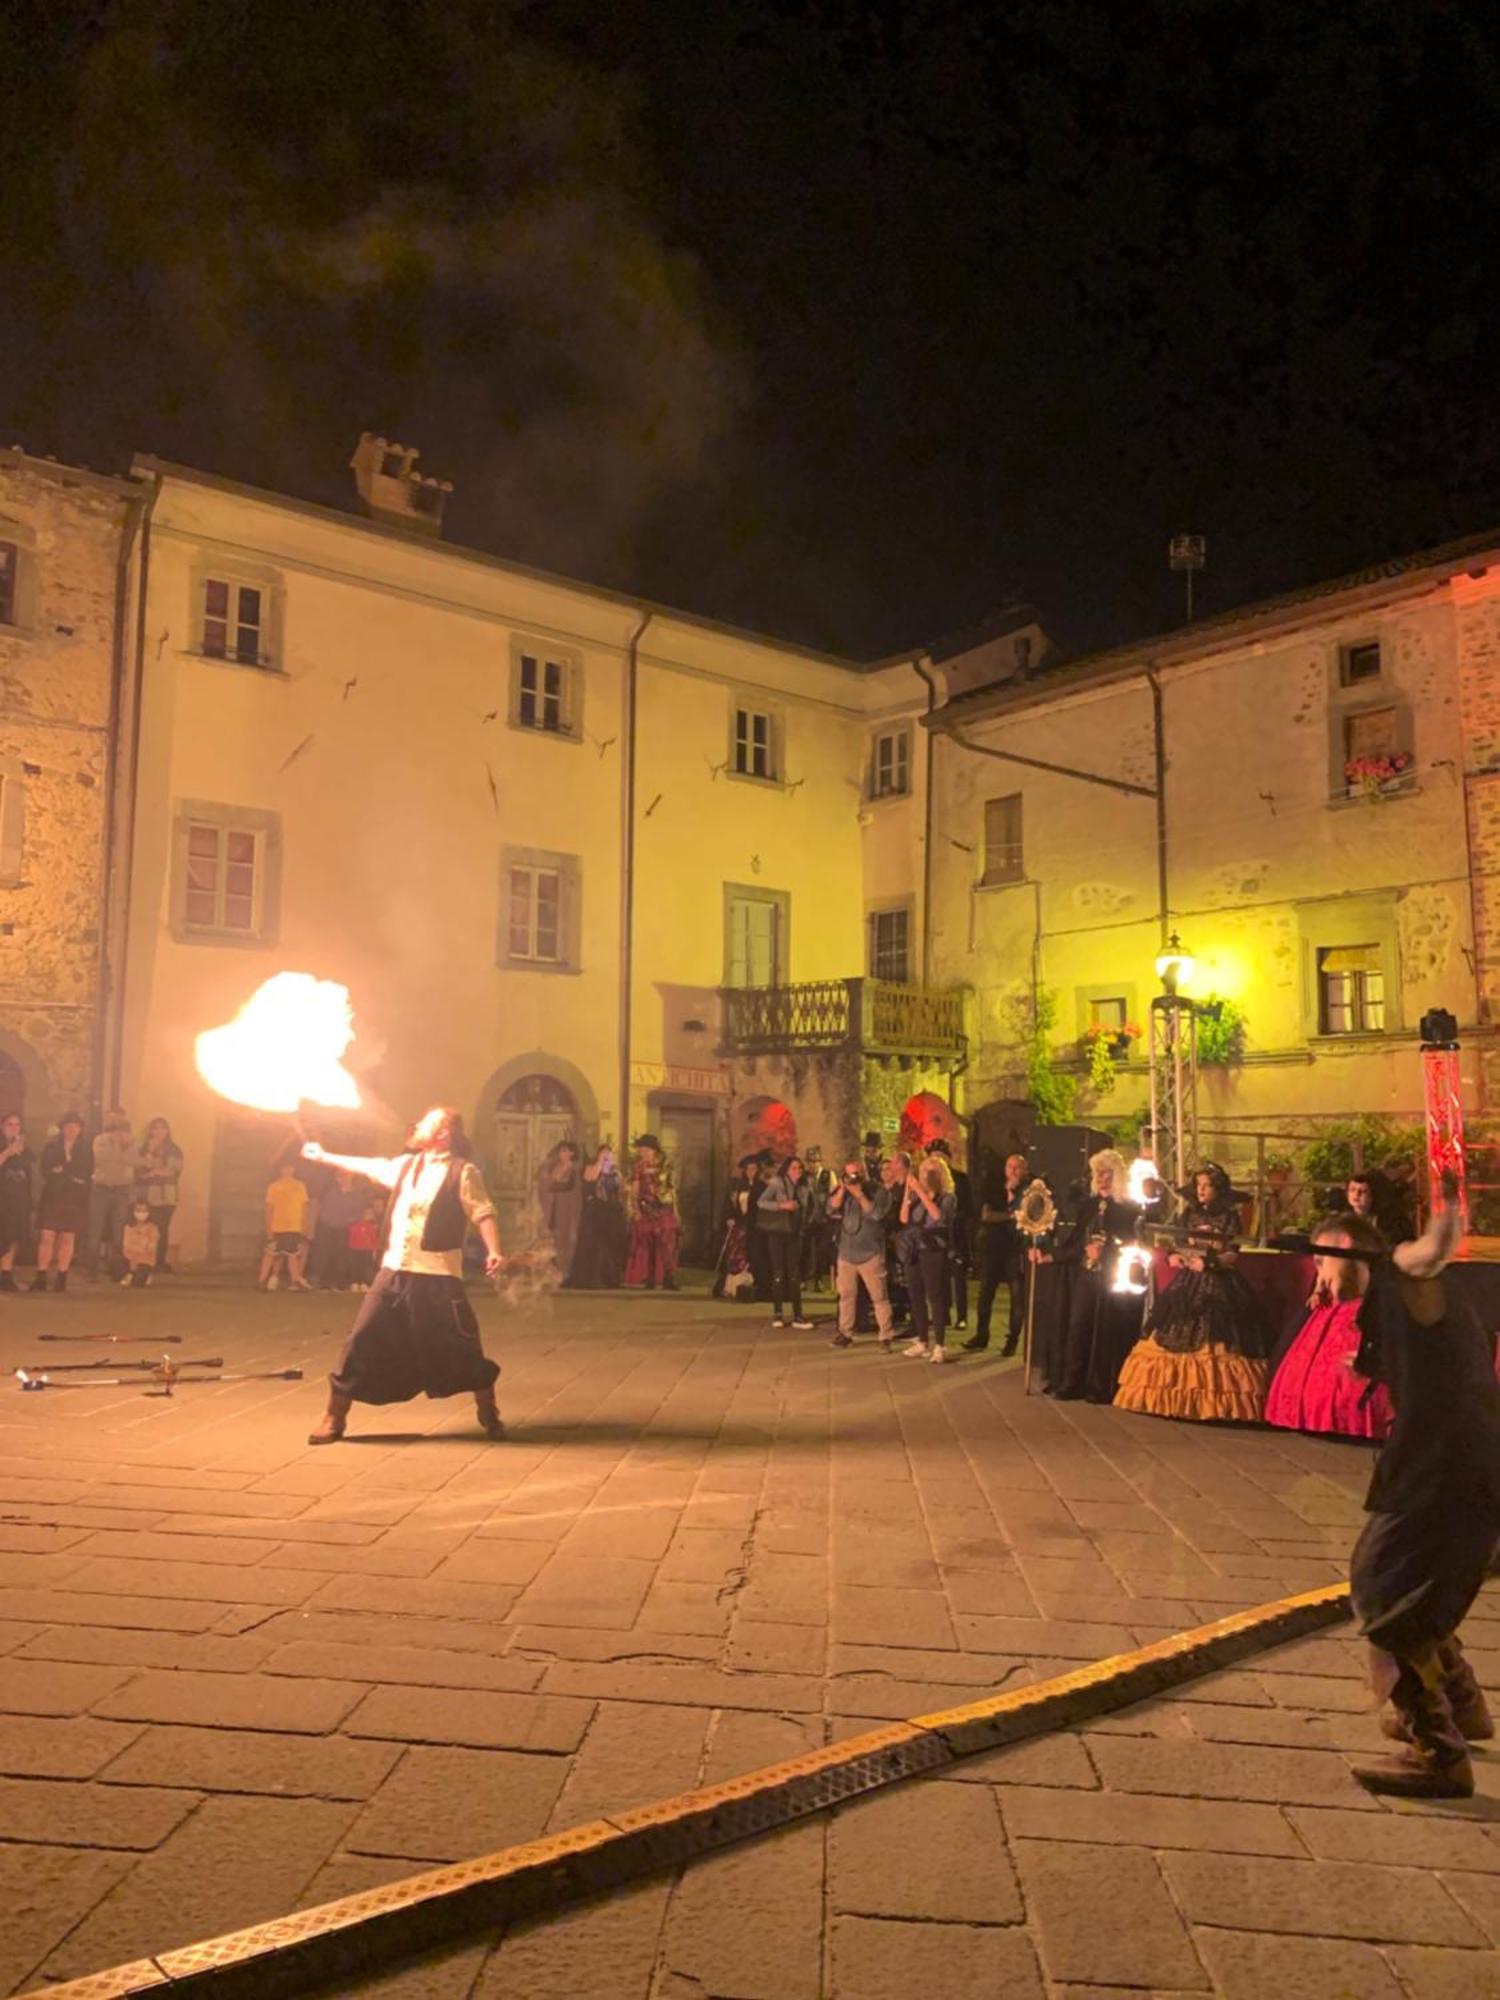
{"points": [[415, 1332]]}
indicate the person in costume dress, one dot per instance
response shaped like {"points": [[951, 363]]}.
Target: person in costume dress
{"points": [[1433, 1505], [1002, 1254], [16, 1166], [1204, 1353], [603, 1236], [735, 1276], [1315, 1386], [559, 1187], [1102, 1325], [651, 1203], [62, 1213], [415, 1333]]}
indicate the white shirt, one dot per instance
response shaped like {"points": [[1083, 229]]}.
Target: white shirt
{"points": [[419, 1190]]}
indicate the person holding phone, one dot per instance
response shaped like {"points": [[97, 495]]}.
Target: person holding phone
{"points": [[860, 1210]]}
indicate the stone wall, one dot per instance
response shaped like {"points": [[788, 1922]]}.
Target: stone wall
{"points": [[56, 668], [1479, 710]]}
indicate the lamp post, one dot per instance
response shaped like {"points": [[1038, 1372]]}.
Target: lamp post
{"points": [[1174, 1067]]}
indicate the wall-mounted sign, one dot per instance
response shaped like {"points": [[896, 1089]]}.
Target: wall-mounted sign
{"points": [[678, 1076]]}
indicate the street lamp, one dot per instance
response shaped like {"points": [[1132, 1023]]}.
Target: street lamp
{"points": [[1174, 1066]]}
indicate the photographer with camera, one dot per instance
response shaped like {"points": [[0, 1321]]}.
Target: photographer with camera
{"points": [[859, 1209]]}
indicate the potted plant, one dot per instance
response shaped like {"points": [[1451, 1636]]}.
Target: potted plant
{"points": [[1376, 777], [1103, 1046]]}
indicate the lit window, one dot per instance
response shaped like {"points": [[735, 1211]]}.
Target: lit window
{"points": [[1004, 860], [234, 621], [1351, 990], [890, 766], [539, 703], [10, 563], [754, 744], [223, 865], [889, 934], [536, 914], [1359, 663]]}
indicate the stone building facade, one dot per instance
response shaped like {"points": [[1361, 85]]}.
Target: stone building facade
{"points": [[1307, 791], [66, 543]]}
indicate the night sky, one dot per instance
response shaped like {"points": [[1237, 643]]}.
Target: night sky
{"points": [[846, 323]]}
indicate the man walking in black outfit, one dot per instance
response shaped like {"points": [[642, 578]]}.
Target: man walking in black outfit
{"points": [[1002, 1255], [1434, 1507]]}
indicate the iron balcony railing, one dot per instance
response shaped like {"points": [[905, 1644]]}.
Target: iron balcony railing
{"points": [[872, 1015]]}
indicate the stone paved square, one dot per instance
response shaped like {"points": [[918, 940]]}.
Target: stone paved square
{"points": [[239, 1675]]}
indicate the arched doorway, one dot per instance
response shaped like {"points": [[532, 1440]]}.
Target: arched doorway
{"points": [[764, 1125], [531, 1115], [926, 1117]]}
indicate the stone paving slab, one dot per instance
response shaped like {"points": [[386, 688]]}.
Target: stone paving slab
{"points": [[239, 1676]]}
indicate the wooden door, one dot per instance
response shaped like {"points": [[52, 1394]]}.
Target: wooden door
{"points": [[687, 1133]]}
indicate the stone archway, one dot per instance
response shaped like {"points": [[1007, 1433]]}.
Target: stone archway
{"points": [[764, 1125], [525, 1107], [926, 1117], [26, 1087]]}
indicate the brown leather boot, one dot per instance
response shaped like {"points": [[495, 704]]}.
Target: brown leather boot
{"points": [[332, 1427], [1435, 1765], [490, 1420], [1471, 1712]]}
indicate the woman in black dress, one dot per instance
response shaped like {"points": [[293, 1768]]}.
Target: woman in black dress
{"points": [[16, 1165], [1204, 1354], [1102, 1324], [62, 1214], [603, 1233]]}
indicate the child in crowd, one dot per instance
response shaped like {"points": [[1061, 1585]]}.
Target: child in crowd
{"points": [[139, 1242], [287, 1208], [364, 1241]]}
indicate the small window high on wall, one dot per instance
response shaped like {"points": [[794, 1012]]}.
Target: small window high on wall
{"points": [[1004, 858], [1351, 989]]}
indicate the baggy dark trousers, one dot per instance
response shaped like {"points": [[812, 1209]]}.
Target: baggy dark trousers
{"points": [[1412, 1577], [414, 1335]]}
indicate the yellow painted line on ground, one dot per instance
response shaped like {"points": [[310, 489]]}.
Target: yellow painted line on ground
{"points": [[358, 1935]]}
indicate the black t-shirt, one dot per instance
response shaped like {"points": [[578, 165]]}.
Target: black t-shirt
{"points": [[1444, 1445]]}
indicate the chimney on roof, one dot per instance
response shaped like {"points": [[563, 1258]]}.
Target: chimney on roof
{"points": [[392, 490]]}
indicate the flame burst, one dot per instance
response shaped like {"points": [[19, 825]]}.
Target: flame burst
{"points": [[284, 1048], [1131, 1269]]}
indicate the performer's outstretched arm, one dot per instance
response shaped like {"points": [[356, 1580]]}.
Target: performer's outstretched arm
{"points": [[368, 1166]]}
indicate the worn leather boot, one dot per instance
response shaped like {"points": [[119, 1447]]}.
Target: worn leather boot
{"points": [[332, 1427], [1435, 1764], [490, 1420], [1471, 1712]]}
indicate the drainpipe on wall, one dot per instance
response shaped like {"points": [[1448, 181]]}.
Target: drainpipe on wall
{"points": [[103, 957], [1161, 799], [932, 702], [627, 877], [123, 851]]}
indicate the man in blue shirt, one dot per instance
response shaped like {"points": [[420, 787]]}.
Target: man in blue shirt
{"points": [[860, 1209]]}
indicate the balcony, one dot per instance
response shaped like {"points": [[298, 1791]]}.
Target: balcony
{"points": [[868, 1015]]}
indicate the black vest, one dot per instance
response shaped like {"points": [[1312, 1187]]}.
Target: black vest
{"points": [[447, 1225]]}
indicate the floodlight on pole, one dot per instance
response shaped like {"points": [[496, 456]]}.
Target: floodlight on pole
{"points": [[1187, 553]]}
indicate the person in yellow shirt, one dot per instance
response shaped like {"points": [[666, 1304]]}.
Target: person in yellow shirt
{"points": [[287, 1207]]}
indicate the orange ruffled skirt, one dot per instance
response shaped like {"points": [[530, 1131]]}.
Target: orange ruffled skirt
{"points": [[1209, 1384]]}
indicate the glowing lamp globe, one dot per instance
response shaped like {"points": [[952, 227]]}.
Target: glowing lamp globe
{"points": [[1174, 964]]}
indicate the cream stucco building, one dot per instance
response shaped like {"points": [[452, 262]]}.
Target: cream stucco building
{"points": [[535, 828]]}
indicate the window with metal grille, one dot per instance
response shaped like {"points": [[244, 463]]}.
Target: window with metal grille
{"points": [[10, 563], [890, 765], [1359, 663], [223, 868], [541, 693], [754, 743], [890, 932], [536, 931], [234, 621], [1351, 989], [1004, 859]]}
